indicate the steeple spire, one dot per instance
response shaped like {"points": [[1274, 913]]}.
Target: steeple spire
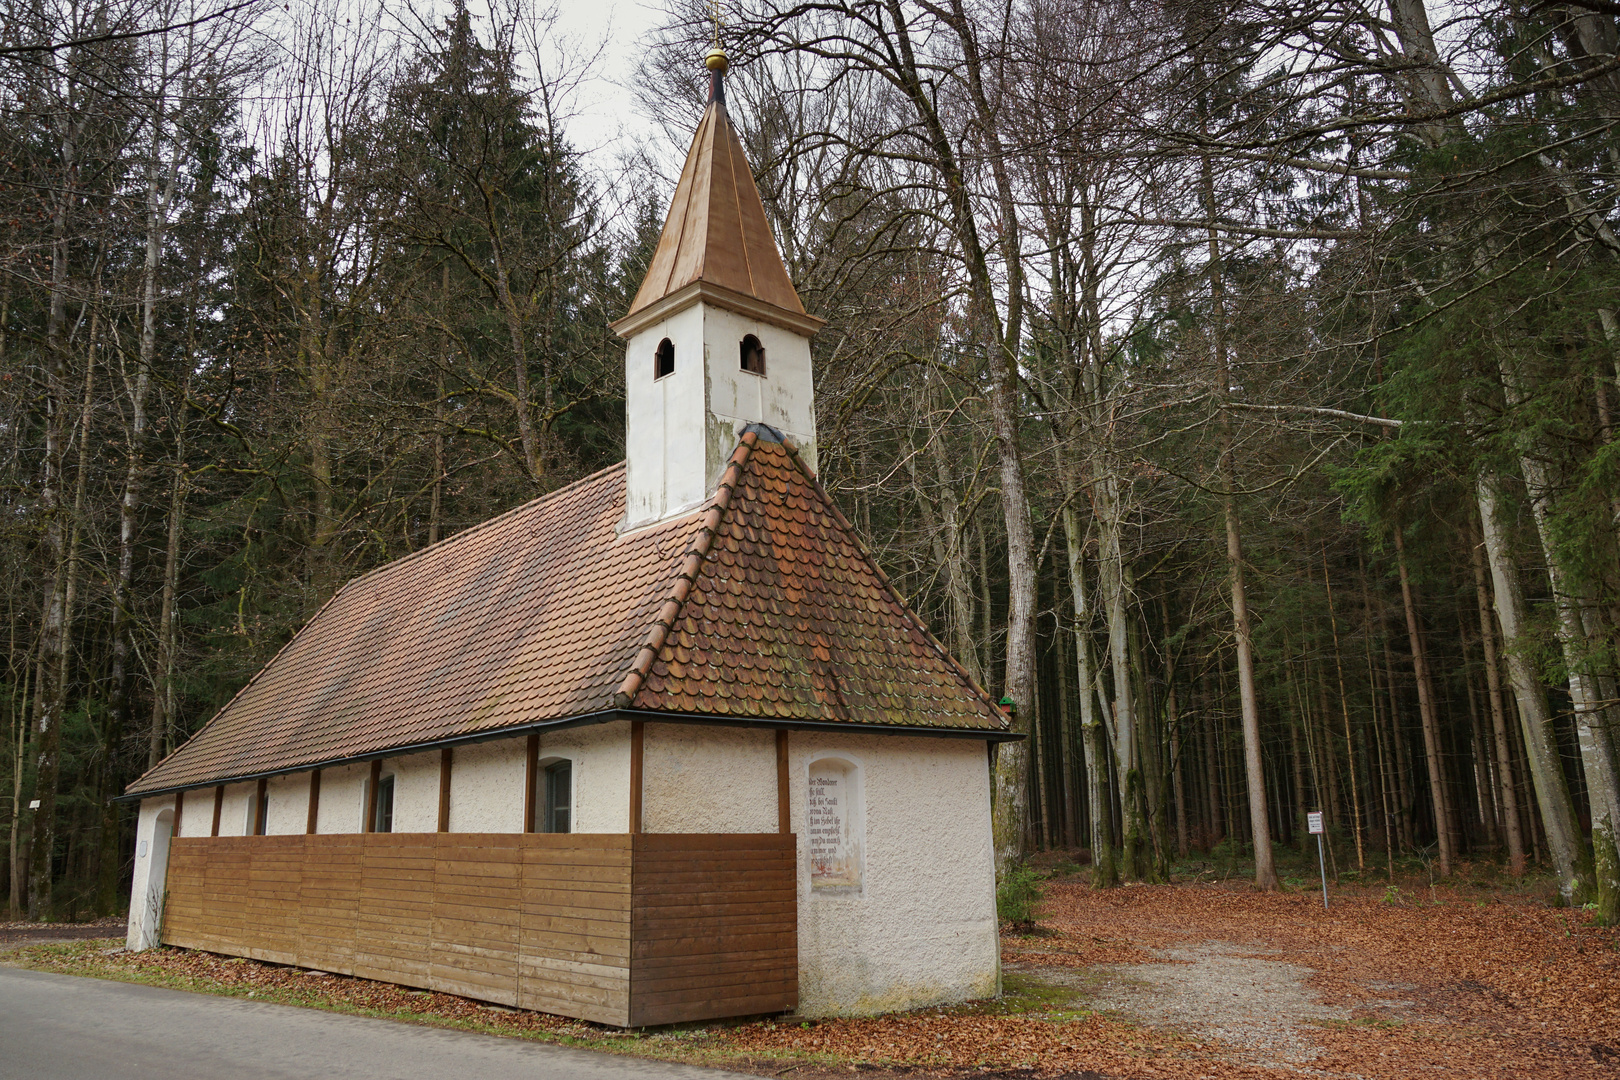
{"points": [[716, 239], [716, 341]]}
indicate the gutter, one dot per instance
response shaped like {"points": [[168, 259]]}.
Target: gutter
{"points": [[605, 716]]}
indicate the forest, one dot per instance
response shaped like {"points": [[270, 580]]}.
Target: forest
{"points": [[1229, 383]]}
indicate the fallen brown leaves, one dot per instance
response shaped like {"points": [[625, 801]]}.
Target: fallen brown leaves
{"points": [[951, 1041], [1455, 987]]}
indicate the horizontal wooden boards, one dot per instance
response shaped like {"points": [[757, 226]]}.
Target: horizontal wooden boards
{"points": [[616, 929], [537, 920], [713, 927]]}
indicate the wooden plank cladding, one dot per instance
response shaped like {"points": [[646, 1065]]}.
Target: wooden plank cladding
{"points": [[714, 926], [625, 929]]}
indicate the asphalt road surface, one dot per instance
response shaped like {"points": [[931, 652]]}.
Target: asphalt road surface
{"points": [[62, 1027]]}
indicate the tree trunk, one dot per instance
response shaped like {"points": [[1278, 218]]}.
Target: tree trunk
{"points": [[1176, 769], [1426, 709], [1127, 755], [1591, 711], [1344, 711], [1507, 793], [1012, 759], [1535, 718], [1265, 872], [50, 695], [1104, 872]]}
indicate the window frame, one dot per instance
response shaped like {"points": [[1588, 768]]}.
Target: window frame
{"points": [[660, 354], [382, 818], [546, 781]]}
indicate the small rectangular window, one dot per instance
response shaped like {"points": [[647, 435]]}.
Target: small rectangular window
{"points": [[384, 819], [559, 797]]}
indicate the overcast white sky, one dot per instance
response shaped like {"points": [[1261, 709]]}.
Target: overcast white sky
{"points": [[607, 119]]}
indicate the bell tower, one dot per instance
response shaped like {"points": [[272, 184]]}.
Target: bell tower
{"points": [[716, 338]]}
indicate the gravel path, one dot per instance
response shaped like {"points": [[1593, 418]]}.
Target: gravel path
{"points": [[1222, 991], [1216, 990]]}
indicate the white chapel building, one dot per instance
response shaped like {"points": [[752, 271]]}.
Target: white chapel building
{"points": [[663, 745]]}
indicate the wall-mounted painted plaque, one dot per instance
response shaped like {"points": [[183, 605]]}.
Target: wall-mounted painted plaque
{"points": [[834, 825]]}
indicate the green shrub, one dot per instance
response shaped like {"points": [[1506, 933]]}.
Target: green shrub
{"points": [[1018, 895]]}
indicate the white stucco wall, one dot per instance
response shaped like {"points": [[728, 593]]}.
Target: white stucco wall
{"points": [[289, 804], [708, 779], [784, 397], [601, 757], [416, 791], [152, 829], [486, 787], [681, 429], [342, 799], [486, 782], [665, 464], [233, 813], [197, 816], [921, 929]]}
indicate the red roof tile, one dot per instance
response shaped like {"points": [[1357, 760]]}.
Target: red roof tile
{"points": [[763, 605]]}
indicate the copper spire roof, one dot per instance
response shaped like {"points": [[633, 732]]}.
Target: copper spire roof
{"points": [[762, 606], [716, 233]]}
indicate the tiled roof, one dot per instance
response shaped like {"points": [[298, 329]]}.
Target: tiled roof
{"points": [[762, 605]]}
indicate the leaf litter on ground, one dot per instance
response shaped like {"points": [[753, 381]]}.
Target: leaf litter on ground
{"points": [[1454, 987]]}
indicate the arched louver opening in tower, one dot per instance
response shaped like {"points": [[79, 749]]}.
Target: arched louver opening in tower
{"points": [[753, 355], [664, 359]]}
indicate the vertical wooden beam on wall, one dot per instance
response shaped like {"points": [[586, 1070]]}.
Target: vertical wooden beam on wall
{"points": [[219, 804], [531, 767], [314, 802], [257, 817], [179, 812], [784, 803], [370, 823], [637, 740], [445, 756]]}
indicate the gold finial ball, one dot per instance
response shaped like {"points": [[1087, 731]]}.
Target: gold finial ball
{"points": [[716, 60]]}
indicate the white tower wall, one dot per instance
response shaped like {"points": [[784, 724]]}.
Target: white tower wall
{"points": [[681, 429]]}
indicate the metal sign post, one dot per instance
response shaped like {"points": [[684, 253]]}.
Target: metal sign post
{"points": [[1314, 821]]}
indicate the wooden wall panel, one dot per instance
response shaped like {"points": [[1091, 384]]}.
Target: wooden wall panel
{"points": [[714, 927], [574, 945], [329, 902], [617, 929], [394, 922], [477, 900]]}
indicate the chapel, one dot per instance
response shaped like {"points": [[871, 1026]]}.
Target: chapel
{"points": [[663, 745]]}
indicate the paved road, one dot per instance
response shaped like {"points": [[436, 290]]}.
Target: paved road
{"points": [[61, 1027]]}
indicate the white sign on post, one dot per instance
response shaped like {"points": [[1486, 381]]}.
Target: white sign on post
{"points": [[1313, 821]]}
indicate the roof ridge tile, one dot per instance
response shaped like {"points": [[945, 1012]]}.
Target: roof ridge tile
{"points": [[691, 565]]}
